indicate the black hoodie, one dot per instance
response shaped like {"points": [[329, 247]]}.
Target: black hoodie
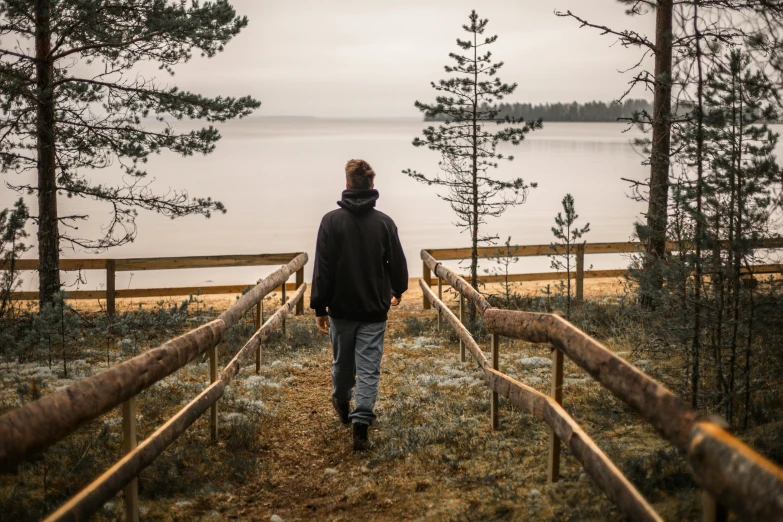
{"points": [[359, 263]]}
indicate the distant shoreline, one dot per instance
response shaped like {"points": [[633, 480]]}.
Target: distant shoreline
{"points": [[388, 118]]}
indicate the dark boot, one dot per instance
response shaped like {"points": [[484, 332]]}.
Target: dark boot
{"points": [[342, 409], [360, 442]]}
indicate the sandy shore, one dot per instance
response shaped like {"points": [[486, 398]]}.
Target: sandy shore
{"points": [[411, 299]]}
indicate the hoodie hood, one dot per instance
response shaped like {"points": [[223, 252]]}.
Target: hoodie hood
{"points": [[359, 201]]}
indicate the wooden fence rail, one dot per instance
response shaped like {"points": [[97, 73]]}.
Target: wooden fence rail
{"points": [[579, 274], [605, 474], [626, 247], [91, 498], [37, 425], [112, 266], [724, 466]]}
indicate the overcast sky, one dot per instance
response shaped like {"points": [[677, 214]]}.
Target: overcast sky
{"points": [[349, 58]]}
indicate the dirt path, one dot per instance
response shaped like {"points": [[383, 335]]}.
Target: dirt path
{"points": [[433, 455], [312, 471]]}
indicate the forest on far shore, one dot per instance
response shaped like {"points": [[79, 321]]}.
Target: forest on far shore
{"points": [[590, 111]]}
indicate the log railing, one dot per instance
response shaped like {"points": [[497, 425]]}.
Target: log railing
{"points": [[37, 425], [112, 266], [579, 252], [596, 463], [728, 470]]}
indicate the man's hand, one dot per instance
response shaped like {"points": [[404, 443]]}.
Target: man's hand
{"points": [[323, 324], [396, 301]]}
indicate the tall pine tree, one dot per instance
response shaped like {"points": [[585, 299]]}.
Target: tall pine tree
{"points": [[468, 100], [73, 101], [660, 81], [739, 102]]}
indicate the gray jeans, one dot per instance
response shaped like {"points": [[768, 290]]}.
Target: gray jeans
{"points": [[357, 348]]}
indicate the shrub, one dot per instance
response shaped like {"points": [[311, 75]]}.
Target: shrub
{"points": [[415, 326]]}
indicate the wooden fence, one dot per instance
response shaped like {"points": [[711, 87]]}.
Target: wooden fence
{"points": [[726, 468], [39, 424], [580, 274], [112, 266]]}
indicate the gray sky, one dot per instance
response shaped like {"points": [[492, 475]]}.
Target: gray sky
{"points": [[349, 58]]}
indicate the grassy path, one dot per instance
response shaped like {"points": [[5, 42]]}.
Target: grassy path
{"points": [[433, 455]]}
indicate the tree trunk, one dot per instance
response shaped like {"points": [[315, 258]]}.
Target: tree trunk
{"points": [[62, 339], [48, 230], [568, 269], [474, 164], [746, 412], [697, 304], [720, 300], [657, 211], [736, 246]]}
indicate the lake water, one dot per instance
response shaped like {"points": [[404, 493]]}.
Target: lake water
{"points": [[277, 177]]}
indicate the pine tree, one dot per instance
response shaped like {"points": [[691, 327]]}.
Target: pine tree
{"points": [[739, 101], [12, 246], [720, 211], [468, 147], [72, 101], [653, 232], [756, 26], [563, 251], [505, 256]]}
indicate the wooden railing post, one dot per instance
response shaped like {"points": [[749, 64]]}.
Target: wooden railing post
{"points": [[300, 282], [283, 300], [213, 375], [553, 474], [493, 405], [131, 491], [462, 321], [440, 297], [712, 510], [427, 279], [580, 272], [110, 278], [258, 323]]}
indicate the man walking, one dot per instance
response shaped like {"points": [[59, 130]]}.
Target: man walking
{"points": [[359, 271]]}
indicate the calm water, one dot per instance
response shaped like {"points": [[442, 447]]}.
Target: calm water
{"points": [[277, 177]]}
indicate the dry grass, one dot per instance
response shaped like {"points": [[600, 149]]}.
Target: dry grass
{"points": [[433, 456]]}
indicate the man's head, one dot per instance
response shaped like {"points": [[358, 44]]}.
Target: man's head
{"points": [[359, 175]]}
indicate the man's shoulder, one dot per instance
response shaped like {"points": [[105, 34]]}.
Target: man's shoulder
{"points": [[329, 216], [384, 217]]}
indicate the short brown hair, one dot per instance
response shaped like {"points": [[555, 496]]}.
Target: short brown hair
{"points": [[359, 174]]}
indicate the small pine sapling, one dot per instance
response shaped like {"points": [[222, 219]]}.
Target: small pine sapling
{"points": [[12, 234], [505, 256], [564, 249], [56, 328]]}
